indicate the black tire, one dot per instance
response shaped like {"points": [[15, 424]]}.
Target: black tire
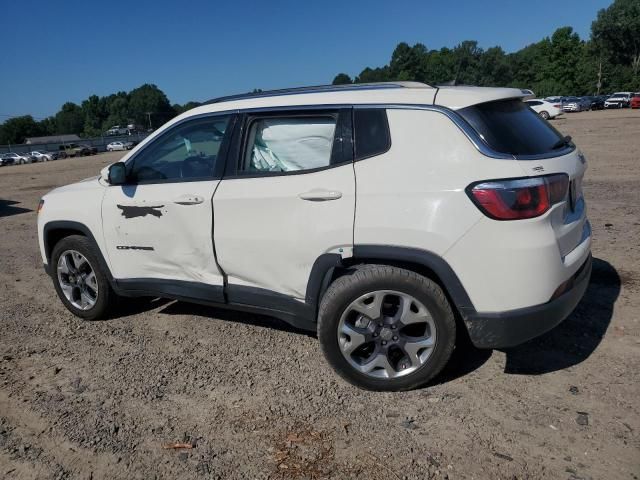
{"points": [[367, 278], [106, 298], [544, 114]]}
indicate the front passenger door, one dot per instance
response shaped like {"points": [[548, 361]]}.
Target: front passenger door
{"points": [[158, 227]]}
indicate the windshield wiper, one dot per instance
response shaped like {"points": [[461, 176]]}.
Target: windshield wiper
{"points": [[562, 142]]}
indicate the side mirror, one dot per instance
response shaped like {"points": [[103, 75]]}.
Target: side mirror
{"points": [[117, 174]]}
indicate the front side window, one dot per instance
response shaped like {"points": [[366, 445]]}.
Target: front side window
{"points": [[186, 152], [287, 144], [509, 126]]}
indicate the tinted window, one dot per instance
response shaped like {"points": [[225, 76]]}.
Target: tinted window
{"points": [[287, 144], [508, 126], [532, 103], [188, 151], [371, 132]]}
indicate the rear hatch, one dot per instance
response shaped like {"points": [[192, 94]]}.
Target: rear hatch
{"points": [[510, 128]]}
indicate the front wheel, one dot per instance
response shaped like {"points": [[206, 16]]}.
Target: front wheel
{"points": [[79, 279], [386, 328]]}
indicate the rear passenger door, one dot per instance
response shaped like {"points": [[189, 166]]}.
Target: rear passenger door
{"points": [[287, 197]]}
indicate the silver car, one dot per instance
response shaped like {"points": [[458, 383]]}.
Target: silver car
{"points": [[43, 156], [573, 104], [14, 158]]}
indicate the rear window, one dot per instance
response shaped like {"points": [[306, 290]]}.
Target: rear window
{"points": [[509, 126]]}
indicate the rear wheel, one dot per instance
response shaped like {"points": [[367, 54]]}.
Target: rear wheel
{"points": [[544, 114], [386, 328], [79, 279]]}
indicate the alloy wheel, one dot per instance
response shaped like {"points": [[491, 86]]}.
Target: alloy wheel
{"points": [[386, 334], [77, 280]]}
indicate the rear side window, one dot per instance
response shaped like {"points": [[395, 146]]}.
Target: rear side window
{"points": [[287, 144], [371, 132], [508, 126]]}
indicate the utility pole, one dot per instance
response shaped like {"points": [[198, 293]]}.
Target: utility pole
{"points": [[149, 117], [599, 75]]}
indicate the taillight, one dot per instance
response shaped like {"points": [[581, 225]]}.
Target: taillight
{"points": [[40, 205], [517, 199]]}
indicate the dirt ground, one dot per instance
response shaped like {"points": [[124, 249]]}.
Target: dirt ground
{"points": [[255, 399]]}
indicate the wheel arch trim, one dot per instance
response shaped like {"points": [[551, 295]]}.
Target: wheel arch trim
{"points": [[71, 226], [325, 266]]}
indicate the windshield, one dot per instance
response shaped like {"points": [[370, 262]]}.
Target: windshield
{"points": [[510, 126]]}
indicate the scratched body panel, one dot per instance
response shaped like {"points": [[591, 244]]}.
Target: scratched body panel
{"points": [[150, 234]]}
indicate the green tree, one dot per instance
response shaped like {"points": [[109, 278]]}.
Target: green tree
{"points": [[149, 102], [369, 75], [117, 109], [342, 79], [467, 57], [183, 108], [407, 62], [617, 31], [17, 129], [95, 114], [493, 68], [48, 126], [70, 119]]}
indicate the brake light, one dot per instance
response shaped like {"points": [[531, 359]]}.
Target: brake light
{"points": [[40, 205], [520, 198]]}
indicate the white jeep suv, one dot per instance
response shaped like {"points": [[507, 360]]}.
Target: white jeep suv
{"points": [[388, 218]]}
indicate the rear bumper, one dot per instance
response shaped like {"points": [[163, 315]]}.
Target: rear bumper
{"points": [[507, 329]]}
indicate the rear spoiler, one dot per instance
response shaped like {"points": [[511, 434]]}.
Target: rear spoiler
{"points": [[462, 97]]}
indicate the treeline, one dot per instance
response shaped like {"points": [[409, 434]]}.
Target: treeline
{"points": [[562, 64], [146, 106]]}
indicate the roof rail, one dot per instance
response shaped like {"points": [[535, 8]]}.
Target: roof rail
{"points": [[319, 89]]}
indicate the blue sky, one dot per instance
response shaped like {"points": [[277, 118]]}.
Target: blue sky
{"points": [[57, 51]]}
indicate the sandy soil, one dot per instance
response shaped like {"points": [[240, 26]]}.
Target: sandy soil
{"points": [[256, 399]]}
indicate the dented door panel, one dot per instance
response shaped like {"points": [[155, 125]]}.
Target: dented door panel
{"points": [[161, 231]]}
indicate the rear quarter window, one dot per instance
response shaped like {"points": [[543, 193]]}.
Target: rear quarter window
{"points": [[371, 132], [509, 126]]}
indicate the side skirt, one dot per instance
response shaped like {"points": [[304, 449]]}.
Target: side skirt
{"points": [[254, 300]]}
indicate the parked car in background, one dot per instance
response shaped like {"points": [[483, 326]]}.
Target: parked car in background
{"points": [[597, 102], [618, 100], [14, 158], [528, 94], [635, 100], [90, 149], [44, 156], [573, 104], [5, 160], [546, 110], [117, 130], [73, 150], [114, 146]]}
